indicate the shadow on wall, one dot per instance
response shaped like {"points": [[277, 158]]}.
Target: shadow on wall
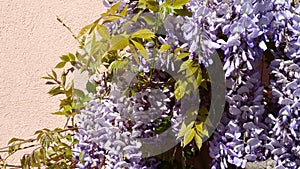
{"points": [[31, 42]]}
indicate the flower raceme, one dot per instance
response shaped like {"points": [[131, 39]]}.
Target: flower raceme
{"points": [[260, 121]]}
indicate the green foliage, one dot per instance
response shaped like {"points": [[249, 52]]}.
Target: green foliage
{"points": [[149, 4], [54, 150]]}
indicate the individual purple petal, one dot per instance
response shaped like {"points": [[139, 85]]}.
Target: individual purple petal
{"points": [[253, 141], [250, 157], [234, 111]]}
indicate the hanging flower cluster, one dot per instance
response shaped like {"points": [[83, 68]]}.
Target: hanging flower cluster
{"points": [[260, 120]]}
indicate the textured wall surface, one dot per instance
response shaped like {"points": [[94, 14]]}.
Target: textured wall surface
{"points": [[31, 42]]}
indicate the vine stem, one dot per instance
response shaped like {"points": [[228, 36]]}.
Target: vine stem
{"points": [[26, 141], [11, 165]]}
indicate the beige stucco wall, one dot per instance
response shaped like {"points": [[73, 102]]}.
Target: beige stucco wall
{"points": [[31, 42]]}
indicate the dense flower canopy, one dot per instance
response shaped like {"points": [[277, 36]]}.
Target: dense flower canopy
{"points": [[260, 120]]}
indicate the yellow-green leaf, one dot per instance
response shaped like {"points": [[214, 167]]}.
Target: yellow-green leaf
{"points": [[118, 42], [94, 24], [143, 33], [54, 74], [110, 18], [123, 12], [149, 4], [180, 89], [199, 77], [85, 30], [185, 65], [103, 31], [177, 4], [177, 50], [115, 7], [15, 140], [198, 141], [191, 70], [95, 45], [60, 65], [182, 56], [71, 56], [184, 129], [165, 47], [141, 49], [199, 127], [136, 16], [135, 56], [188, 137], [60, 113], [150, 19], [205, 132], [65, 58]]}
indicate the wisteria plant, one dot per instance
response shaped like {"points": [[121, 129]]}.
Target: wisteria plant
{"points": [[177, 84]]}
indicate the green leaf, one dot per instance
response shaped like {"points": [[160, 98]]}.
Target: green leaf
{"points": [[36, 158], [63, 78], [115, 7], [149, 4], [150, 19], [14, 140], [200, 127], [204, 84], [165, 47], [79, 93], [198, 141], [143, 33], [95, 45], [94, 24], [50, 83], [124, 11], [199, 77], [136, 16], [118, 42], [81, 156], [55, 91], [54, 74], [188, 137], [60, 113], [118, 64], [203, 111], [191, 70], [180, 89], [177, 50], [68, 152], [204, 132], [71, 56], [103, 31], [60, 65], [91, 87], [141, 49], [177, 4], [135, 56], [183, 12], [184, 129], [185, 65], [43, 155], [111, 19], [65, 58], [84, 30], [47, 77], [182, 56]]}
